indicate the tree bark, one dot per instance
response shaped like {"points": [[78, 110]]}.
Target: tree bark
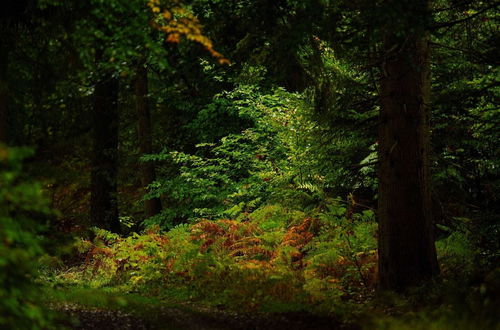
{"points": [[104, 194], [407, 254], [144, 131], [4, 93], [12, 15]]}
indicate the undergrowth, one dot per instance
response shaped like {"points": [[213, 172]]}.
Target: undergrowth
{"points": [[277, 259]]}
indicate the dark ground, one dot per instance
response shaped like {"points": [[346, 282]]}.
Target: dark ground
{"points": [[172, 318]]}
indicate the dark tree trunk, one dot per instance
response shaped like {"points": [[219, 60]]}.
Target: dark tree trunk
{"points": [[144, 130], [4, 92], [104, 195], [12, 14], [407, 254]]}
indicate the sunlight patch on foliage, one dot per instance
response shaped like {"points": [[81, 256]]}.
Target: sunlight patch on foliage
{"points": [[239, 261]]}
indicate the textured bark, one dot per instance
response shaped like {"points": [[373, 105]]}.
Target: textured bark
{"points": [[12, 16], [144, 131], [104, 195], [4, 93], [407, 254]]}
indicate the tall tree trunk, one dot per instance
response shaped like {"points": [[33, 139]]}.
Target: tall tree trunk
{"points": [[12, 14], [407, 254], [4, 92], [104, 194], [144, 130]]}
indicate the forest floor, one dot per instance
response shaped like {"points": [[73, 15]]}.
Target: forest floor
{"points": [[122, 312], [173, 318]]}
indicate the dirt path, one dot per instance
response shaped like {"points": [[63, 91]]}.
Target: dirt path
{"points": [[173, 318]]}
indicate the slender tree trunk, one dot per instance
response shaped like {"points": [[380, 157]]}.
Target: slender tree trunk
{"points": [[4, 93], [12, 14], [144, 130], [407, 254], [104, 195]]}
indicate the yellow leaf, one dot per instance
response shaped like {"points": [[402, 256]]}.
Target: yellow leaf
{"points": [[167, 15]]}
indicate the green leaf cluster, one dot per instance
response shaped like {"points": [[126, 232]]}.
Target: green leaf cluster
{"points": [[21, 202]]}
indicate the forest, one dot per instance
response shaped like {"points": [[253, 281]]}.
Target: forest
{"points": [[249, 164]]}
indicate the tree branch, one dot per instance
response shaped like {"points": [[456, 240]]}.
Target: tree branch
{"points": [[462, 20]]}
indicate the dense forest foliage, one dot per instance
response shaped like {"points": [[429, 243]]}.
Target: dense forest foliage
{"points": [[249, 164]]}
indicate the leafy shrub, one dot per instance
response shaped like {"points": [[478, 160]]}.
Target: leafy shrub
{"points": [[456, 253], [20, 203], [342, 258], [275, 255], [136, 260], [233, 175]]}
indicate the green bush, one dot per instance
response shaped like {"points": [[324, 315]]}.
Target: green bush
{"points": [[233, 175], [274, 256], [20, 202]]}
